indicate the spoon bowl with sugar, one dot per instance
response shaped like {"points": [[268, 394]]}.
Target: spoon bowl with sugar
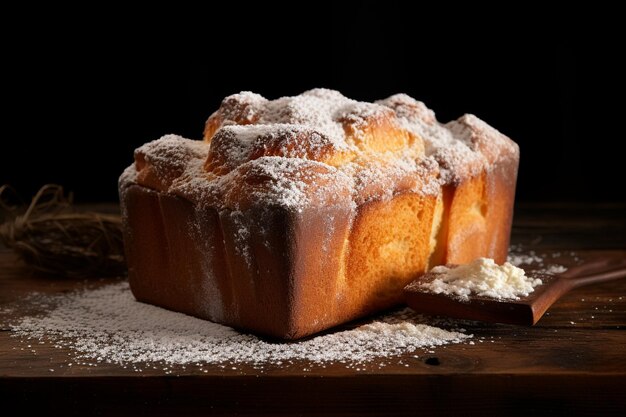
{"points": [[485, 291]]}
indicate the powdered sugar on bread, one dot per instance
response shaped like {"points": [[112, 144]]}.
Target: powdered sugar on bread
{"points": [[359, 151]]}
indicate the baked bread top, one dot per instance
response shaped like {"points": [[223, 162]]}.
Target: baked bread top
{"points": [[317, 148]]}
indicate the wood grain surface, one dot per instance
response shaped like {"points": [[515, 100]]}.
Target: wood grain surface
{"points": [[573, 362]]}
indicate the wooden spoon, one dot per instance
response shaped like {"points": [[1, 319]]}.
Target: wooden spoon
{"points": [[525, 311]]}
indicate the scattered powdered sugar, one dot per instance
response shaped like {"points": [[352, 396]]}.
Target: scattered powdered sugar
{"points": [[554, 269], [108, 325], [519, 259], [482, 277], [535, 262]]}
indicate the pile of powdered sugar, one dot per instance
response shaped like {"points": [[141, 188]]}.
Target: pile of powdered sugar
{"points": [[486, 279], [482, 277], [108, 325]]}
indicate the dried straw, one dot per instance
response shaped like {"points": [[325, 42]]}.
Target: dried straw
{"points": [[51, 236]]}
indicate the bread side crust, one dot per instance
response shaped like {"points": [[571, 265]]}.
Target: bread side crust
{"points": [[295, 274]]}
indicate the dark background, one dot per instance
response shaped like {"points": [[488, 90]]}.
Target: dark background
{"points": [[80, 96]]}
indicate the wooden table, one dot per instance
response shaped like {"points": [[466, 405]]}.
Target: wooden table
{"points": [[569, 364]]}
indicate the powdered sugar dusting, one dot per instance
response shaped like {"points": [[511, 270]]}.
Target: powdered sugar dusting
{"points": [[554, 269], [326, 127], [129, 176], [108, 325], [244, 106], [449, 145], [314, 108], [534, 261]]}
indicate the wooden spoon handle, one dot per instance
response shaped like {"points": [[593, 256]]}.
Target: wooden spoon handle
{"points": [[594, 267], [597, 273]]}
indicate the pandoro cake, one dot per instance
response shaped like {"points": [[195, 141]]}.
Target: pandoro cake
{"points": [[297, 214]]}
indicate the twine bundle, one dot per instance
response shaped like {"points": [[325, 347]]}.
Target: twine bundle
{"points": [[51, 236]]}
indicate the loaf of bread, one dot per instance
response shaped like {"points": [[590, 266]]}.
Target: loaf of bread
{"points": [[297, 214]]}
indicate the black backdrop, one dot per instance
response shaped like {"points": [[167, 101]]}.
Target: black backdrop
{"points": [[81, 96]]}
